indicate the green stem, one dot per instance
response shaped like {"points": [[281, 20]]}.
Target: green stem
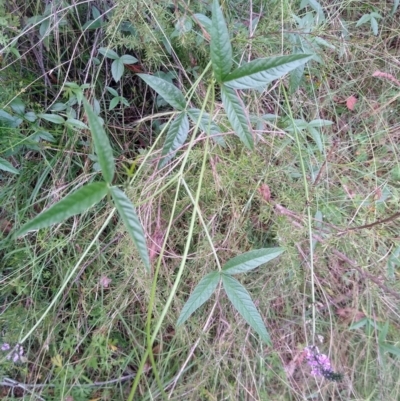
{"points": [[309, 217]]}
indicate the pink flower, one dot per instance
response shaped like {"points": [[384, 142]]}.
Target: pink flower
{"points": [[320, 364]]}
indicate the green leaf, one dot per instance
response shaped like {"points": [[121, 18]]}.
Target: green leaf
{"points": [[75, 203], [237, 116], [18, 106], [391, 349], [176, 136], [204, 21], [58, 107], [101, 144], [207, 125], [316, 135], [108, 53], [128, 215], [8, 120], [112, 91], [243, 303], [114, 102], [92, 24], [250, 260], [76, 123], [261, 72], [318, 123], [7, 166], [221, 48], [169, 92], [296, 76], [374, 26], [365, 18], [53, 118], [199, 296], [359, 324], [127, 59], [30, 116], [318, 8], [117, 69]]}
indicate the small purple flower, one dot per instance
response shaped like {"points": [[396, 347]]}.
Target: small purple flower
{"points": [[320, 364], [5, 347], [16, 355]]}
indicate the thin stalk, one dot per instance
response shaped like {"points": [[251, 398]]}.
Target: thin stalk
{"points": [[309, 217]]}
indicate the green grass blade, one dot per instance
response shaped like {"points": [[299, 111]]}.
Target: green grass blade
{"points": [[7, 166], [101, 144], [250, 260], [221, 48], [176, 136], [75, 203], [243, 303], [128, 215], [236, 112], [199, 296], [261, 72], [169, 92]]}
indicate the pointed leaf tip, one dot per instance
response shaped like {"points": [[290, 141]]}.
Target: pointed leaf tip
{"points": [[128, 215]]}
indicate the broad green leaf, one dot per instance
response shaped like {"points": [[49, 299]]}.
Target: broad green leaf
{"points": [[199, 296], [169, 92], [44, 28], [359, 324], [374, 26], [93, 24], [18, 106], [53, 118], [114, 102], [117, 69], [101, 144], [318, 123], [30, 116], [250, 260], [318, 8], [237, 116], [8, 120], [127, 59], [7, 166], [207, 125], [220, 47], [128, 215], [295, 78], [375, 15], [243, 303], [390, 348], [323, 42], [44, 135], [316, 135], [112, 91], [75, 203], [58, 107], [365, 18], [205, 21], [76, 123], [124, 101], [176, 136], [96, 12], [108, 53], [261, 72]]}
